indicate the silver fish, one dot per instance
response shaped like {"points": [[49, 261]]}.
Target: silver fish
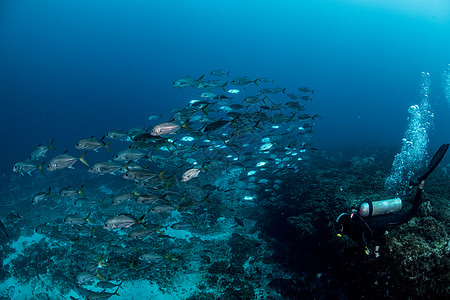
{"points": [[65, 161], [182, 226], [107, 167], [266, 80], [69, 191], [149, 257], [86, 202], [190, 174], [139, 175], [41, 196], [210, 85], [155, 117], [162, 208], [40, 151], [27, 167], [121, 221], [118, 135], [141, 233], [44, 229], [123, 197], [219, 72], [186, 82], [129, 154], [75, 219], [273, 90], [108, 285], [243, 81], [165, 128], [63, 237], [183, 114], [305, 90], [101, 295], [92, 144], [207, 95], [85, 278], [149, 199]]}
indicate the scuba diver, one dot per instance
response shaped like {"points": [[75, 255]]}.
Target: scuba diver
{"points": [[370, 220]]}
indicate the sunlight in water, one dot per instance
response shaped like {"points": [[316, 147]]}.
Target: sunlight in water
{"points": [[424, 8], [446, 82]]}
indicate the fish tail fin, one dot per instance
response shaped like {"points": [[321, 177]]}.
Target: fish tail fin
{"points": [[126, 165], [200, 78], [164, 197], [203, 109], [51, 144], [158, 230], [120, 285], [185, 124], [135, 192], [140, 220], [161, 175], [50, 191], [146, 226], [257, 124], [82, 158], [87, 218], [80, 191], [256, 81], [206, 199], [107, 146], [99, 276], [283, 91], [75, 241], [291, 118], [171, 182], [115, 293], [40, 167]]}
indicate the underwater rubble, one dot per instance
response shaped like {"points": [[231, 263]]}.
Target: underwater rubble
{"points": [[169, 211], [413, 261], [224, 199]]}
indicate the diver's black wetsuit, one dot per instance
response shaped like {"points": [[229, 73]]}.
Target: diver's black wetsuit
{"points": [[361, 229], [374, 227]]}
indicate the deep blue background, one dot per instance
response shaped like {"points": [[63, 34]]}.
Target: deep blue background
{"points": [[73, 69]]}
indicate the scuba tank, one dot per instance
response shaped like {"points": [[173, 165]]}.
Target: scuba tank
{"points": [[378, 208]]}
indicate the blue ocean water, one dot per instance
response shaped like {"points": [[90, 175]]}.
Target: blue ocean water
{"points": [[76, 69]]}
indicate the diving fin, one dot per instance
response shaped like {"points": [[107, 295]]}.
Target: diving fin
{"points": [[433, 163]]}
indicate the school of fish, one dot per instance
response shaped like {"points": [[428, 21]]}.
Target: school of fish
{"points": [[121, 215]]}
